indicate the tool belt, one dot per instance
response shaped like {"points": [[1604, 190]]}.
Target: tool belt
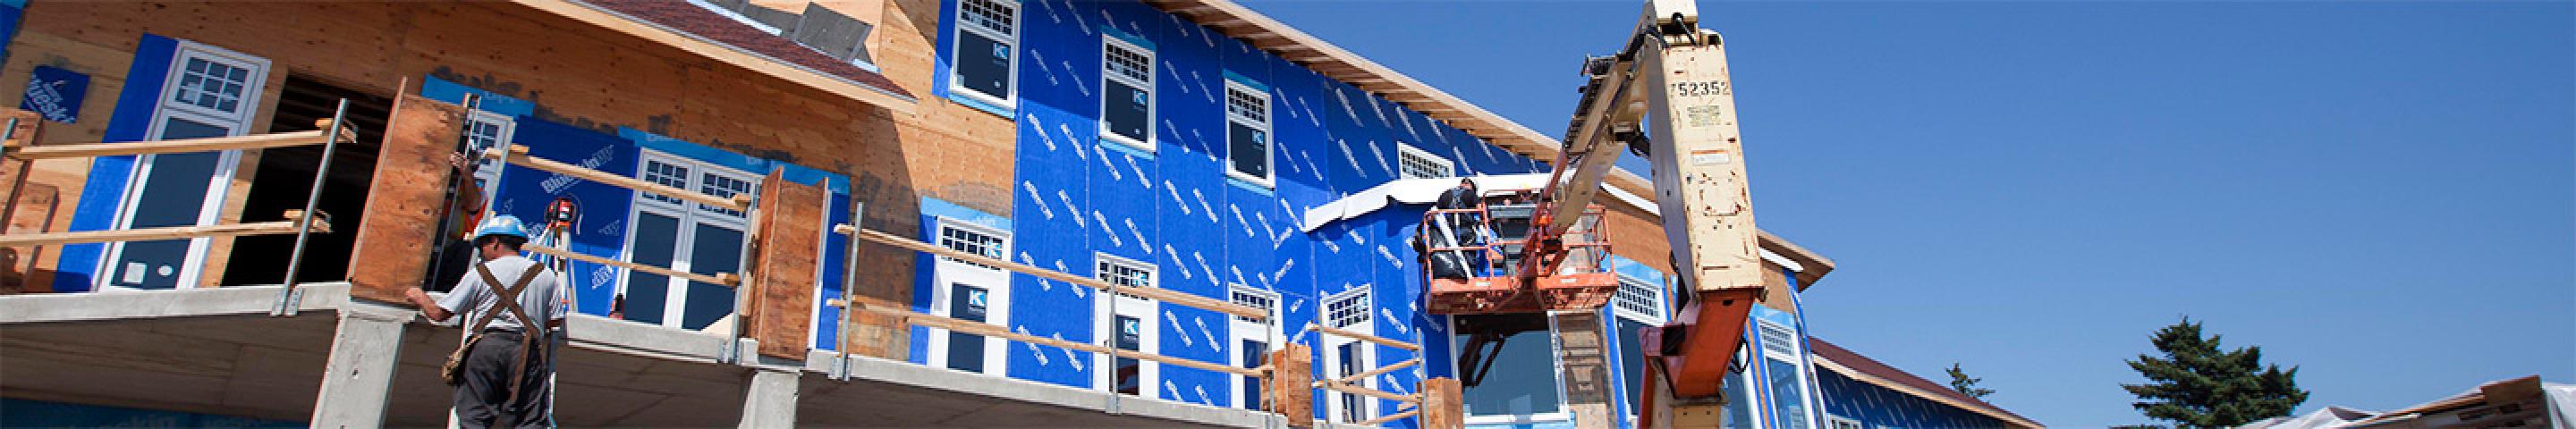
{"points": [[507, 299]]}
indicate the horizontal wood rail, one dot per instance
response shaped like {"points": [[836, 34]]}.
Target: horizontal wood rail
{"points": [[720, 279], [1393, 417], [1374, 393], [21, 150], [1165, 295], [980, 328], [518, 155], [162, 233], [1355, 378], [1364, 337]]}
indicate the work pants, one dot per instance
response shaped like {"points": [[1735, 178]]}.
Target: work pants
{"points": [[483, 393]]}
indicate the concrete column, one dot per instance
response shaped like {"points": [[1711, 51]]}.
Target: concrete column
{"points": [[360, 373], [771, 403]]}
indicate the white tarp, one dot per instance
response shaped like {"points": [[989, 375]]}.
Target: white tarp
{"points": [[1411, 191]]}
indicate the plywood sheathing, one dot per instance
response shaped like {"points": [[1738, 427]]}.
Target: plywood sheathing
{"points": [[400, 225]]}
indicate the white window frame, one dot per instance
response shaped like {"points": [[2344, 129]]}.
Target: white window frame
{"points": [[1620, 299], [192, 270], [955, 82], [1792, 356], [1153, 107], [1403, 150], [1336, 402], [689, 215], [1271, 155], [997, 294], [1269, 333], [488, 170], [1148, 375], [1840, 422]]}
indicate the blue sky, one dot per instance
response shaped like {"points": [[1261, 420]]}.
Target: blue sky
{"points": [[2381, 193]]}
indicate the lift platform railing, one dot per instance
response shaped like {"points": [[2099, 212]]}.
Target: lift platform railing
{"points": [[24, 130], [1490, 261]]}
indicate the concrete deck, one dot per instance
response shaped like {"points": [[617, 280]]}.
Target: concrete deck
{"points": [[217, 351]]}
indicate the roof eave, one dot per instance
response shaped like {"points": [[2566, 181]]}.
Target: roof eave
{"points": [[726, 54]]}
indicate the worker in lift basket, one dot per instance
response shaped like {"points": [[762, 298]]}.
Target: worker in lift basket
{"points": [[501, 369]]}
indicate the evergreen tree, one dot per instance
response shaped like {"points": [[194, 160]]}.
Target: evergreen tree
{"points": [[2195, 384], [1959, 381]]}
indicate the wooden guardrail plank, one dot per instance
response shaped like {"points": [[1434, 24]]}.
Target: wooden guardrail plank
{"points": [[518, 155], [254, 141], [1374, 393], [163, 233], [979, 328], [720, 279], [1392, 417], [1355, 378], [1165, 295], [1364, 337]]}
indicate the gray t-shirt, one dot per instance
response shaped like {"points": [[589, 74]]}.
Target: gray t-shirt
{"points": [[543, 299]]}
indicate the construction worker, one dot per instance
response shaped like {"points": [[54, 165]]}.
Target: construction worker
{"points": [[501, 369], [452, 259], [1452, 230]]}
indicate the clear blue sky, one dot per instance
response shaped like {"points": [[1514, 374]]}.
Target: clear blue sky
{"points": [[2380, 193]]}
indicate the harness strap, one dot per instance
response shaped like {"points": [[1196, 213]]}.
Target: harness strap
{"points": [[507, 299]]}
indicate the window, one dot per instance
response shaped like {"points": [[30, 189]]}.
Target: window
{"points": [[1787, 379], [1840, 422], [1520, 385], [1247, 133], [1127, 93], [685, 236], [1344, 356], [1416, 163], [1635, 305], [485, 130], [1348, 309], [1253, 339], [972, 292], [1129, 321], [987, 36], [209, 92]]}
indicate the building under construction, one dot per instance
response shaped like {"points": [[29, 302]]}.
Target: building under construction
{"points": [[838, 213]]}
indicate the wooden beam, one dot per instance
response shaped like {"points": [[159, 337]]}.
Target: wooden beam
{"points": [[1354, 378], [518, 154], [720, 279], [1286, 392], [1158, 294], [1373, 393], [1440, 399], [163, 233], [1392, 417], [254, 141], [980, 328], [1364, 337]]}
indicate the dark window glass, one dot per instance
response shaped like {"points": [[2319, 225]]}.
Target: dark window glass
{"points": [[655, 242], [1249, 149], [1352, 407], [173, 194], [1523, 379], [983, 65], [1632, 358], [1254, 351], [714, 250], [966, 351], [1130, 338], [1127, 111], [1786, 402]]}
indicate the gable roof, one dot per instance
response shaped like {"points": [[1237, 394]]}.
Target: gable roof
{"points": [[1851, 364]]}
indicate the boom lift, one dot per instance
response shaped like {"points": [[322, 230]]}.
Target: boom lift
{"points": [[1665, 95]]}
